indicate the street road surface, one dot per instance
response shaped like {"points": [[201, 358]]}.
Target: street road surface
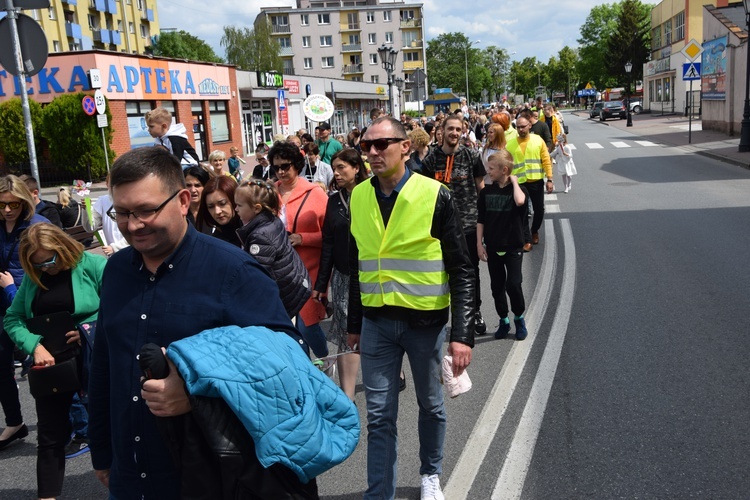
{"points": [[633, 382]]}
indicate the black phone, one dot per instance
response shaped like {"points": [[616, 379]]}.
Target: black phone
{"points": [[153, 362]]}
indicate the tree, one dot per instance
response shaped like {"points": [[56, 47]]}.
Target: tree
{"points": [[75, 142], [497, 61], [448, 55], [252, 49], [629, 43], [527, 75], [13, 145], [183, 45]]}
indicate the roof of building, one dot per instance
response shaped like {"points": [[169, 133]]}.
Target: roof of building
{"points": [[732, 16]]}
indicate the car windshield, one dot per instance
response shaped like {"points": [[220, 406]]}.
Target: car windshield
{"points": [[613, 104]]}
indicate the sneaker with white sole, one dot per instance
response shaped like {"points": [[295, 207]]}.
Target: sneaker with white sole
{"points": [[431, 487]]}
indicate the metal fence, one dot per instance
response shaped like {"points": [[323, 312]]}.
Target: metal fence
{"points": [[49, 175]]}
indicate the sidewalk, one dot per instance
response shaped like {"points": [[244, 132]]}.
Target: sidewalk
{"points": [[672, 130]]}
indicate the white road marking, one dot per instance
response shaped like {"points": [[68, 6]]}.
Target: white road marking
{"points": [[550, 197], [620, 144], [646, 144], [552, 209], [572, 146], [594, 145], [513, 475], [475, 449]]}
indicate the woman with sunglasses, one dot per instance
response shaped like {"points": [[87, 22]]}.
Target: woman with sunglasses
{"points": [[60, 276], [217, 214], [304, 208], [17, 214]]}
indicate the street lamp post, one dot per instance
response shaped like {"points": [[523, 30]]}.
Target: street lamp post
{"points": [[466, 68], [745, 129], [399, 83], [507, 76], [628, 69], [388, 61]]}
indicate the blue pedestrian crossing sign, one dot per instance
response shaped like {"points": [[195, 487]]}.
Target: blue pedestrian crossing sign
{"points": [[691, 71]]}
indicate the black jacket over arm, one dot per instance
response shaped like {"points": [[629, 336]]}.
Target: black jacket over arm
{"points": [[447, 228], [335, 252]]}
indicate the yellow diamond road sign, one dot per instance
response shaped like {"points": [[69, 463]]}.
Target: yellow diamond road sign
{"points": [[588, 86], [692, 50]]}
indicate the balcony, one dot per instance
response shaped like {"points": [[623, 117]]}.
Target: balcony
{"points": [[415, 45], [350, 27], [411, 23], [98, 5], [147, 15], [413, 65], [111, 7], [286, 51], [73, 30], [352, 47], [280, 29], [353, 69], [115, 37], [288, 71], [103, 36], [70, 2]]}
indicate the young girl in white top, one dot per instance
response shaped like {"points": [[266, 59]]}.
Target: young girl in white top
{"points": [[564, 157]]}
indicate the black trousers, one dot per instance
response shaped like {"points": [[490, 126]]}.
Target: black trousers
{"points": [[536, 195], [506, 277], [471, 242], [8, 388], [54, 431]]}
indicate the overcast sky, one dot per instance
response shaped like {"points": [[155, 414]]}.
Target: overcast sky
{"points": [[530, 28]]}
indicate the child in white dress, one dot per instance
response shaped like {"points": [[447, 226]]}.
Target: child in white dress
{"points": [[564, 157]]}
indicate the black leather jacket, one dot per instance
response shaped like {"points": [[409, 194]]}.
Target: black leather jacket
{"points": [[446, 227]]}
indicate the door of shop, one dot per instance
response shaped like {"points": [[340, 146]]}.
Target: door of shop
{"points": [[199, 129]]}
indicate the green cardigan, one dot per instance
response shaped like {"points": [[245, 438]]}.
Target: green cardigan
{"points": [[87, 281]]}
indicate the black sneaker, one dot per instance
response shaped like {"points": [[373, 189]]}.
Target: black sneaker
{"points": [[503, 330], [77, 447], [521, 331], [480, 327]]}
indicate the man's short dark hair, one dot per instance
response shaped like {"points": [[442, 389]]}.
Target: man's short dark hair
{"points": [[398, 128], [287, 151], [375, 113], [308, 137], [525, 115], [451, 117], [137, 164], [30, 182]]}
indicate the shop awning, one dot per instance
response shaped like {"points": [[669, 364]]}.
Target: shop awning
{"points": [[356, 95]]}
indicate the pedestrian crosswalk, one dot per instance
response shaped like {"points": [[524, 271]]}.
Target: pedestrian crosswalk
{"points": [[617, 145]]}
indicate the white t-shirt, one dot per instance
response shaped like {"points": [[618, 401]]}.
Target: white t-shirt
{"points": [[109, 227]]}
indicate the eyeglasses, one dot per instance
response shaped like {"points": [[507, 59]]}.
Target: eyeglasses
{"points": [[13, 205], [283, 166], [144, 215], [379, 144], [46, 264]]}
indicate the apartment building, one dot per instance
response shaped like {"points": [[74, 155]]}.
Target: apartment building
{"points": [[673, 24], [117, 25], [340, 39]]}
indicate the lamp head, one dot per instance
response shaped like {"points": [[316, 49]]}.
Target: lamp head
{"points": [[629, 66]]}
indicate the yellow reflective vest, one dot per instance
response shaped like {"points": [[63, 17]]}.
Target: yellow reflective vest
{"points": [[402, 264], [531, 158]]}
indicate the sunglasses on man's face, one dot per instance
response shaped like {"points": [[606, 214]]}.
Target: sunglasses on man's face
{"points": [[13, 205], [379, 144]]}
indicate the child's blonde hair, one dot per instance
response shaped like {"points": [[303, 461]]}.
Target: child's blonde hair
{"points": [[257, 192], [501, 159], [234, 149], [160, 115], [216, 155]]}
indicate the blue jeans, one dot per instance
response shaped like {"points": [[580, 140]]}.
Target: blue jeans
{"points": [[382, 347], [79, 416], [314, 336]]}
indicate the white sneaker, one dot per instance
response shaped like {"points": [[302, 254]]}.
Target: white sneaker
{"points": [[566, 190], [431, 488]]}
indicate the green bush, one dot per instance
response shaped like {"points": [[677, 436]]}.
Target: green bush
{"points": [[75, 141], [13, 145]]}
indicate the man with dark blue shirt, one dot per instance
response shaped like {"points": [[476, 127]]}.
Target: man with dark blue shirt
{"points": [[171, 283]]}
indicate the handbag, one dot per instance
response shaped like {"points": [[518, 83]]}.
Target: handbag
{"points": [[565, 129], [56, 379]]}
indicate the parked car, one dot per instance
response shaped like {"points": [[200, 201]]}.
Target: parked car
{"points": [[612, 109], [595, 108], [636, 106]]}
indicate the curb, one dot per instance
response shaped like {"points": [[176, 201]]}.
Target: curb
{"points": [[724, 159]]}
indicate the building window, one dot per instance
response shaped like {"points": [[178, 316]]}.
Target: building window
{"points": [[679, 26], [667, 89], [387, 16], [280, 21], [354, 40], [656, 38], [374, 79], [373, 58], [409, 37], [356, 78], [304, 19], [144, 31], [119, 25], [307, 62], [324, 18], [326, 41], [407, 15], [140, 4], [56, 45], [389, 37], [370, 17], [131, 28], [372, 38], [327, 62], [169, 106], [668, 33], [52, 14], [219, 121], [305, 41], [285, 42], [35, 14], [139, 135], [411, 56]]}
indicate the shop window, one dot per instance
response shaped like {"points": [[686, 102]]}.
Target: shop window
{"points": [[137, 126], [219, 121], [169, 106], [667, 89]]}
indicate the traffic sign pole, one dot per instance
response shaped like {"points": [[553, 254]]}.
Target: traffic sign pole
{"points": [[12, 15]]}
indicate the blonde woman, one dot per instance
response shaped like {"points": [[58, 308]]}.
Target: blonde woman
{"points": [[420, 145], [70, 209], [217, 159]]}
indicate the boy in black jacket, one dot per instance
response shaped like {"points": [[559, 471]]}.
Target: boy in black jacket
{"points": [[500, 222], [171, 135]]}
